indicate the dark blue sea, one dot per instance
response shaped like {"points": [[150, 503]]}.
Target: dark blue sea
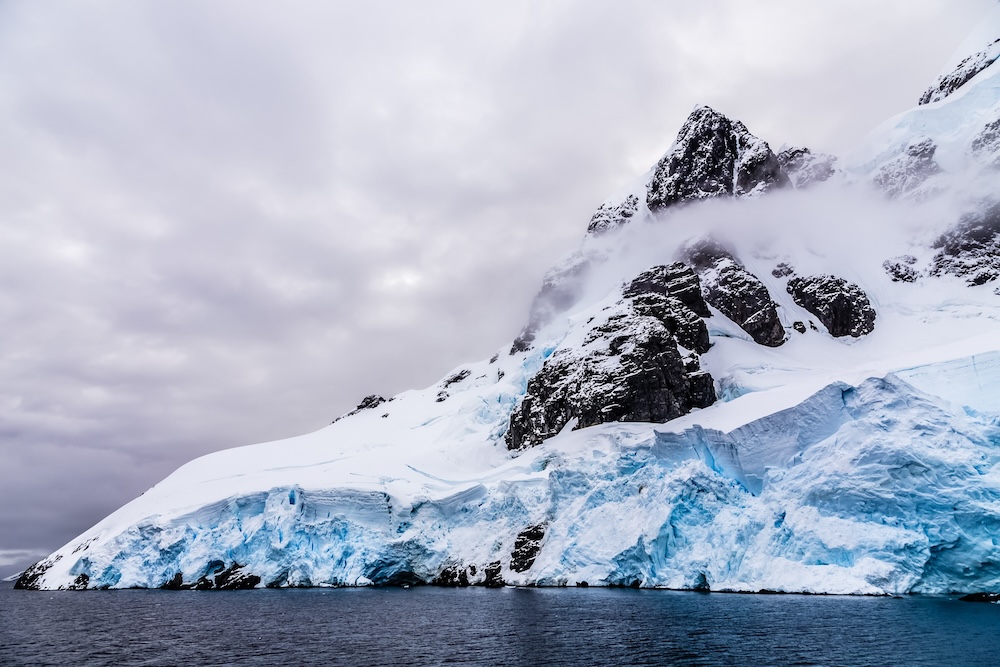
{"points": [[524, 626]]}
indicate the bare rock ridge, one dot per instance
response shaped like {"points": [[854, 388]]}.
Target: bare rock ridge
{"points": [[842, 307], [367, 403], [900, 269], [735, 292], [804, 167], [907, 174], [628, 368], [713, 156], [613, 214], [986, 145], [677, 281], [962, 74], [971, 249]]}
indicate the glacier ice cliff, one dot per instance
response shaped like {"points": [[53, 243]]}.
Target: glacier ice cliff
{"points": [[873, 488]]}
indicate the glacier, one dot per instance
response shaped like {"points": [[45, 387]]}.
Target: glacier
{"points": [[869, 488], [866, 463]]}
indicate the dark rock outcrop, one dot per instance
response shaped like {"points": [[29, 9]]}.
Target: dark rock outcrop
{"points": [[527, 545], [971, 249], [782, 270], [455, 576], [906, 174], [492, 577], [962, 74], [235, 578], [713, 156], [986, 145], [735, 292], [628, 368], [677, 280], [613, 214], [681, 322], [804, 167], [28, 580], [456, 377], [562, 286], [993, 598], [367, 403], [841, 306], [453, 379], [900, 269]]}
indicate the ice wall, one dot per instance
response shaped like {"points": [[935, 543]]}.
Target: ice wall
{"points": [[878, 488]]}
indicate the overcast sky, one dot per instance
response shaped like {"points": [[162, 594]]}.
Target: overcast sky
{"points": [[227, 222]]}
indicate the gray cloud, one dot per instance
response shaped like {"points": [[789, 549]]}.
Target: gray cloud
{"points": [[223, 223]]}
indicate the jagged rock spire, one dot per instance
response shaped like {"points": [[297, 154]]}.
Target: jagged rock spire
{"points": [[713, 156]]}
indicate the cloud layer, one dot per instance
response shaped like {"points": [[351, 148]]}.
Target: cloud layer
{"points": [[227, 222]]}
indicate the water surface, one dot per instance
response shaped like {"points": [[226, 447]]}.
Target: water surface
{"points": [[528, 626]]}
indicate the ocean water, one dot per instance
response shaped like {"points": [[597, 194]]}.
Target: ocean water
{"points": [[511, 626]]}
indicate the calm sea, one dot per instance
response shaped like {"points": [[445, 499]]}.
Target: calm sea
{"points": [[434, 626]]}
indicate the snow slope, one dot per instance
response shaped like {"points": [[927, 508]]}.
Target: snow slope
{"points": [[862, 464]]}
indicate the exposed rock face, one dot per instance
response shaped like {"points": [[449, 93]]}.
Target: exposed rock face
{"points": [[782, 270], [735, 292], [968, 68], [906, 174], [841, 306], [971, 249], [713, 156], [218, 578], [455, 576], [492, 577], [561, 288], [684, 325], [677, 280], [900, 269], [28, 580], [611, 215], [628, 368], [235, 578], [986, 145], [367, 403], [804, 168], [454, 379], [526, 547]]}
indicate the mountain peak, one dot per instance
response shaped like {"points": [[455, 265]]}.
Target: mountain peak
{"points": [[713, 156], [979, 51]]}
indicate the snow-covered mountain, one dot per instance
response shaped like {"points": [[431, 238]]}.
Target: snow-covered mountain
{"points": [[761, 371]]}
